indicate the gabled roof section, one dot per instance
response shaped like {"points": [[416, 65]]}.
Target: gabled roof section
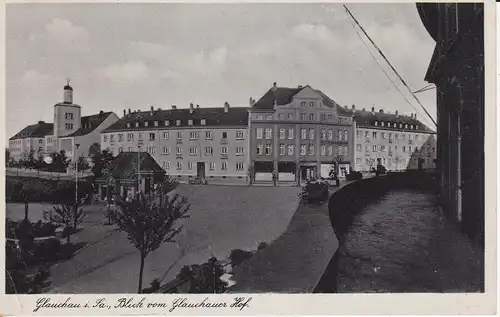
{"points": [[366, 119], [39, 130], [90, 123], [236, 116], [284, 95], [125, 165]]}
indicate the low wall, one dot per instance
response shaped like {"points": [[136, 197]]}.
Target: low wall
{"points": [[352, 198]]}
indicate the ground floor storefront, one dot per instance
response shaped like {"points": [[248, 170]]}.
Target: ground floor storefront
{"points": [[297, 172]]}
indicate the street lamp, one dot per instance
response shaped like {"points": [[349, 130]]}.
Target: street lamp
{"points": [[76, 176]]}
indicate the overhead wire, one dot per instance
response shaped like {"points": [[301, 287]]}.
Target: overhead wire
{"points": [[381, 68], [389, 63]]}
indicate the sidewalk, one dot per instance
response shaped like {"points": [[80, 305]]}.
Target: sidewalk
{"points": [[295, 261], [403, 244]]}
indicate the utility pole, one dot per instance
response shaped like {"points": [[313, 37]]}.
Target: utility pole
{"points": [[139, 170]]}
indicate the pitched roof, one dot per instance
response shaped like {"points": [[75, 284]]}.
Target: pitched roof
{"points": [[236, 116], [90, 123], [367, 119], [284, 95], [124, 166], [39, 130]]}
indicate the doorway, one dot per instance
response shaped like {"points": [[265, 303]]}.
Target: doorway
{"points": [[200, 170]]}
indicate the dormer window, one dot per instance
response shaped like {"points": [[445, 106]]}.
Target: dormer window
{"points": [[137, 124], [406, 126], [376, 123], [128, 124], [167, 123], [411, 126], [190, 122], [311, 104], [416, 127], [146, 123], [203, 121], [178, 122], [156, 123], [400, 125]]}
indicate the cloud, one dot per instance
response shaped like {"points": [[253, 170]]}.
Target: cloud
{"points": [[128, 72], [315, 32], [149, 50], [34, 77], [61, 30]]}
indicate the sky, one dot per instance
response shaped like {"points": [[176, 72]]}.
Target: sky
{"points": [[122, 56]]}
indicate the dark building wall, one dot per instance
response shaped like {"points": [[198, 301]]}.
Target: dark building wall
{"points": [[457, 70]]}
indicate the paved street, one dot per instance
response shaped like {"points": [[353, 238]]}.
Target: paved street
{"points": [[403, 244], [222, 218]]}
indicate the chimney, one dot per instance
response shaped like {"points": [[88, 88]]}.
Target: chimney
{"points": [[251, 102], [152, 110], [124, 112], [300, 86], [101, 113], [353, 108], [226, 107], [364, 109], [373, 110], [197, 106], [191, 108], [381, 111], [414, 116], [41, 122], [129, 111], [274, 86], [397, 114], [174, 107]]}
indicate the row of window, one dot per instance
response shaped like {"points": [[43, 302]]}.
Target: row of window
{"points": [[288, 149], [383, 148], [388, 135], [211, 166], [395, 125], [68, 116], [193, 135], [303, 117], [146, 124], [192, 150], [68, 126], [389, 161], [304, 134]]}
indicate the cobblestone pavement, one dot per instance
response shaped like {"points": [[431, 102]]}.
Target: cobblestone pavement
{"points": [[403, 244]]}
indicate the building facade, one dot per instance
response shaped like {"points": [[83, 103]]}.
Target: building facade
{"points": [[398, 142], [69, 131], [457, 70], [209, 143], [298, 134]]}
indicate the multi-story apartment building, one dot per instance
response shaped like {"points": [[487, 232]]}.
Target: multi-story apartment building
{"points": [[298, 134], [30, 139], [399, 142], [210, 143], [457, 70], [69, 131]]}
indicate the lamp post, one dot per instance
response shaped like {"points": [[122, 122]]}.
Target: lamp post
{"points": [[75, 154], [139, 170]]}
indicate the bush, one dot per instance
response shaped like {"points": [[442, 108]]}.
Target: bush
{"points": [[48, 249], [238, 256], [354, 176]]}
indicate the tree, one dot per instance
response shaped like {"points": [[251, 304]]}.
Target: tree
{"points": [[250, 173], [67, 216], [149, 224], [100, 159], [83, 164], [370, 161]]}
